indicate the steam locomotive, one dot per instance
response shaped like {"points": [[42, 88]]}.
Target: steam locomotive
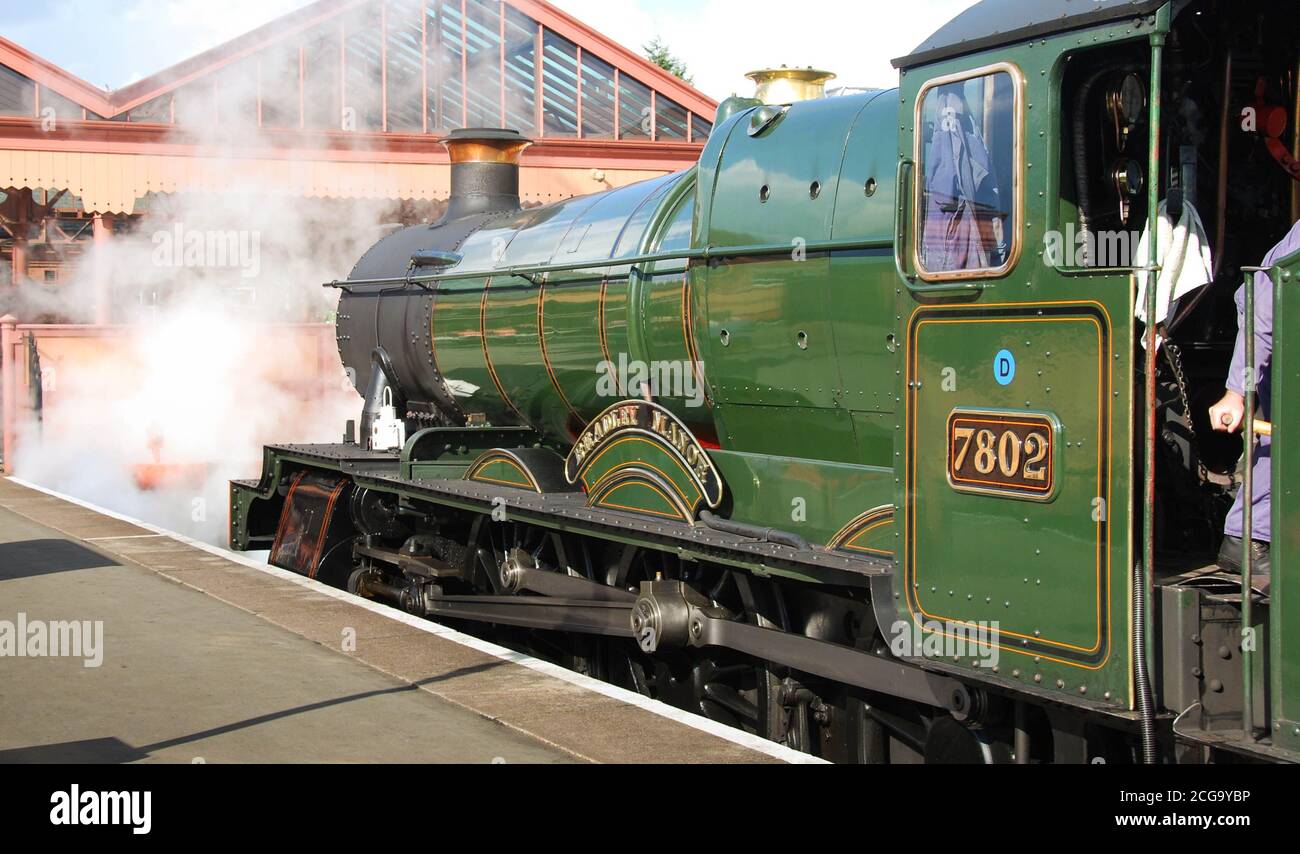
{"points": [[826, 438]]}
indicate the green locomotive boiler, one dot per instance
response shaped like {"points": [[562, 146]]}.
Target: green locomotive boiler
{"points": [[852, 435]]}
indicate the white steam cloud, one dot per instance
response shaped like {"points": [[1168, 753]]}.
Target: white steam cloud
{"points": [[209, 358]]}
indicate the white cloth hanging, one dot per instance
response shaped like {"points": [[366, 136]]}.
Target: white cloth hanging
{"points": [[1186, 264]]}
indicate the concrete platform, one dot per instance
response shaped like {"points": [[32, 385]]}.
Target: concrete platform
{"points": [[208, 657]]}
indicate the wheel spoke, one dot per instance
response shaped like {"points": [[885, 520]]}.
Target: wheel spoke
{"points": [[490, 569], [497, 540], [561, 556], [720, 586], [642, 681]]}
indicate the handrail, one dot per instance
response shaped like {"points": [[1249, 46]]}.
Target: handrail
{"points": [[904, 217], [1142, 642], [1248, 500], [534, 273]]}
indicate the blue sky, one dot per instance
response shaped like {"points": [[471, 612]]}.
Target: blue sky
{"points": [[114, 43]]}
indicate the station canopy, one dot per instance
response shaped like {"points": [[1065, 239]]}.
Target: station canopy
{"points": [[343, 99]]}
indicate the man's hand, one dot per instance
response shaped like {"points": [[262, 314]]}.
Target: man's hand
{"points": [[1226, 415]]}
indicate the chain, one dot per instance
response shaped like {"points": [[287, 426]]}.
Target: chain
{"points": [[1175, 358]]}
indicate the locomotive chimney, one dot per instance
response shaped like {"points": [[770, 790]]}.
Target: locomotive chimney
{"points": [[484, 171], [783, 85]]}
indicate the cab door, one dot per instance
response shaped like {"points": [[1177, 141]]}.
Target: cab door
{"points": [[1284, 609], [1006, 453]]}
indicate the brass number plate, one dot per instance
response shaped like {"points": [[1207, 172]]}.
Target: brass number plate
{"points": [[1002, 453]]}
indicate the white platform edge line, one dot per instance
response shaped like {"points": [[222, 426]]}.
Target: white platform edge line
{"points": [[128, 537], [735, 736]]}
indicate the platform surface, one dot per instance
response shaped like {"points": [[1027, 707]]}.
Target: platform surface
{"points": [[206, 659]]}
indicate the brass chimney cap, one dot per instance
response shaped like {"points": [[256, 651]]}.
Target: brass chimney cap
{"points": [[790, 85], [486, 145]]}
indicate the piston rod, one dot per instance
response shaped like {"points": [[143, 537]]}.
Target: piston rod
{"points": [[668, 615]]}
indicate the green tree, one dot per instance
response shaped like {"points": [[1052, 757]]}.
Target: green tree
{"points": [[658, 53]]}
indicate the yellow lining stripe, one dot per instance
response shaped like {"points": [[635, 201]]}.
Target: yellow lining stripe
{"points": [[546, 359], [621, 466], [688, 332], [851, 544], [846, 534], [487, 357], [604, 335], [603, 502], [475, 473]]}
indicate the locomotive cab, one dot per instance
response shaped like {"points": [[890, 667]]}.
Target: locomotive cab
{"points": [[1228, 193], [1037, 179]]}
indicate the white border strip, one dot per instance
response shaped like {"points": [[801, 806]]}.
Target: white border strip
{"points": [[703, 724]]}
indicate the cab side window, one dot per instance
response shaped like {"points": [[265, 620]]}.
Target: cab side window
{"points": [[968, 152]]}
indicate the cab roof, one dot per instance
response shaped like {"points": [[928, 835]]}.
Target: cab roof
{"points": [[991, 23]]}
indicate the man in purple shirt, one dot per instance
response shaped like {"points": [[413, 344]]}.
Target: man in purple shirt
{"points": [[1229, 414]]}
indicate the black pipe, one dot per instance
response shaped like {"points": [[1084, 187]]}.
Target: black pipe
{"points": [[1141, 676], [1082, 179], [754, 532], [382, 378]]}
